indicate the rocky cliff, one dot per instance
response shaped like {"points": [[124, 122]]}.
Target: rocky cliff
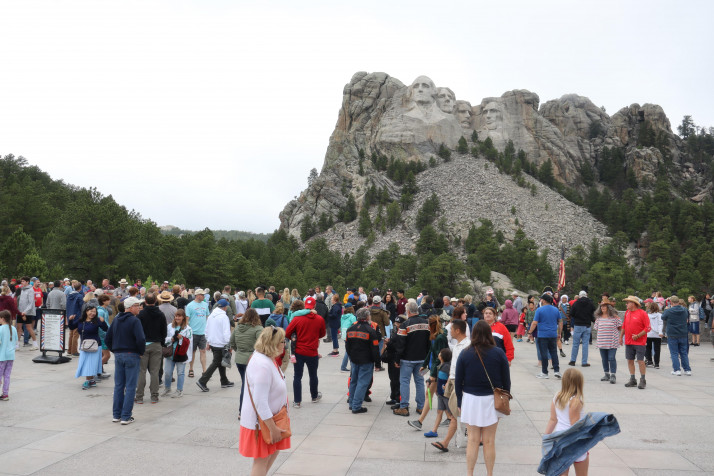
{"points": [[380, 116]]}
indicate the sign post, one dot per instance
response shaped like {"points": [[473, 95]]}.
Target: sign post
{"points": [[52, 337]]}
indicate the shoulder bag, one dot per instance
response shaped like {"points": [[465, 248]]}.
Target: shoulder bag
{"points": [[501, 398], [281, 420], [88, 345]]}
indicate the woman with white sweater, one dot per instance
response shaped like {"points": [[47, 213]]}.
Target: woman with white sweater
{"points": [[654, 336]]}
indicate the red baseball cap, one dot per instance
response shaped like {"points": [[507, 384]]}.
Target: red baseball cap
{"points": [[309, 302]]}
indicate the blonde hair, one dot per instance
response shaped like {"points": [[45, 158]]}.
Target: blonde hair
{"points": [[295, 294], [5, 290], [286, 296], [251, 296], [468, 298], [279, 308], [269, 341], [434, 326], [572, 386]]}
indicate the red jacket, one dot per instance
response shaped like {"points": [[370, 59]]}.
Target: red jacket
{"points": [[309, 328], [7, 303], [499, 331]]}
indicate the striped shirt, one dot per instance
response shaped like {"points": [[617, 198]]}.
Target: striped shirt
{"points": [[608, 335]]}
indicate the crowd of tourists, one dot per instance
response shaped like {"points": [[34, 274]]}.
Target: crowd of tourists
{"points": [[455, 350]]}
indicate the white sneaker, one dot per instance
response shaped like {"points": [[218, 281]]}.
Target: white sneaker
{"points": [[678, 373], [166, 392], [688, 373], [567, 342], [178, 394], [557, 375], [542, 375]]}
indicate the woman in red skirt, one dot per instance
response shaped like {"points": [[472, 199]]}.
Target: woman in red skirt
{"points": [[266, 383]]}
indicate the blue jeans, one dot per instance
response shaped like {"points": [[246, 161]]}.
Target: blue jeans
{"points": [[359, 383], [345, 359], [609, 363], [241, 371], [540, 357], [169, 365], [311, 363], [580, 333], [407, 368], [126, 373], [678, 349], [334, 331], [548, 346]]}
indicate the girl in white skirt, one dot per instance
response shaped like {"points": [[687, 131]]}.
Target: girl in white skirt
{"points": [[474, 394], [90, 361]]}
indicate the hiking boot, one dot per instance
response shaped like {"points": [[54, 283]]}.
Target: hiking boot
{"points": [[643, 383], [419, 411], [612, 378], [401, 411], [416, 424], [632, 382], [586, 365], [606, 378]]}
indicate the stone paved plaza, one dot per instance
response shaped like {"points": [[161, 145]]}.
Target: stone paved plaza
{"points": [[51, 426]]}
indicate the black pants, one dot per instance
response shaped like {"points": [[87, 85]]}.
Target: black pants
{"points": [[393, 373], [653, 342], [215, 364]]}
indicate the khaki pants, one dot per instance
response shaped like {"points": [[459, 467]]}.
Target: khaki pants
{"points": [[151, 360], [73, 341]]}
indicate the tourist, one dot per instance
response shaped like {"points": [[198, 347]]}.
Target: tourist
{"points": [[7, 303], [127, 342], [530, 314], [501, 336], [654, 339], [390, 306], [218, 335], [241, 305], [549, 325], [412, 346], [695, 315], [346, 321], [243, 340], [675, 326], [447, 307], [509, 318], [262, 305], [479, 369], [362, 345], [517, 301], [635, 329], [90, 359], [176, 332], [8, 344], [608, 326], [56, 299], [334, 321], [268, 394], [153, 322], [197, 312], [26, 310], [323, 309], [309, 329], [566, 409], [401, 303], [105, 312], [166, 306], [380, 318], [442, 401], [459, 314], [564, 307], [583, 314], [278, 317], [438, 341]]}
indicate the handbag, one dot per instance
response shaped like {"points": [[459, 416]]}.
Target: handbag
{"points": [[281, 420], [501, 397], [167, 351], [88, 345], [226, 358]]}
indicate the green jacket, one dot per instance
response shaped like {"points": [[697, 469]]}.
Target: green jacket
{"points": [[242, 341], [437, 344]]}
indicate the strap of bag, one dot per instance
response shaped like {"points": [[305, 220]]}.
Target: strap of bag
{"points": [[484, 369], [250, 394]]}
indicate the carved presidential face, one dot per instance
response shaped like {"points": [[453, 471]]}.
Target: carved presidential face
{"points": [[492, 115], [464, 113], [423, 90], [446, 100]]}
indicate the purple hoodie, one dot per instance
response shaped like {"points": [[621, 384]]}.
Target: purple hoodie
{"points": [[509, 315]]}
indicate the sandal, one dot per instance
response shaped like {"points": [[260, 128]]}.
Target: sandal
{"points": [[440, 447], [190, 373]]}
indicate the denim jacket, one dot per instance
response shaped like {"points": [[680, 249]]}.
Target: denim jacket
{"points": [[562, 448]]}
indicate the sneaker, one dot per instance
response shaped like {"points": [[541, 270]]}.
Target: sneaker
{"points": [[431, 434], [416, 424], [557, 375], [571, 363], [678, 373], [419, 410], [401, 411], [227, 385], [293, 359], [562, 354], [345, 370], [116, 420], [319, 397], [395, 406], [4, 398], [154, 399], [104, 376], [656, 367], [202, 386], [128, 422], [517, 340], [178, 394], [567, 342], [92, 383], [360, 410], [139, 401], [648, 364], [586, 365], [631, 383], [296, 404], [367, 399], [390, 402], [688, 373], [85, 385], [542, 375], [613, 379], [166, 392], [606, 378], [334, 353], [446, 422]]}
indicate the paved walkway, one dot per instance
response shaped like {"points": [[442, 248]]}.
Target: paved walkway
{"points": [[52, 427]]}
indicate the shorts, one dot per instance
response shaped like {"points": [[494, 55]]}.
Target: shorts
{"points": [[632, 351], [199, 341], [25, 319], [512, 327], [694, 327], [443, 403]]}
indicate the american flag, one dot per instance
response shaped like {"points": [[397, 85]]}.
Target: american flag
{"points": [[561, 269]]}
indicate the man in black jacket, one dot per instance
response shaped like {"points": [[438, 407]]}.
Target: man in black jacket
{"points": [[583, 314], [153, 321], [412, 346], [362, 344], [322, 310]]}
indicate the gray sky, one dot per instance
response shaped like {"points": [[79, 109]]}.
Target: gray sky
{"points": [[212, 113]]}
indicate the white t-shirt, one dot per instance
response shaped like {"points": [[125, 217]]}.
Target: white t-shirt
{"points": [[452, 341], [455, 351], [267, 385]]}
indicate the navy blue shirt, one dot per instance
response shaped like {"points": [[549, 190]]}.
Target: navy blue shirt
{"points": [[471, 376]]}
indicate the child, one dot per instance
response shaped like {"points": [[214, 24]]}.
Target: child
{"points": [[530, 314], [347, 320], [443, 402], [8, 339], [521, 325], [566, 409]]}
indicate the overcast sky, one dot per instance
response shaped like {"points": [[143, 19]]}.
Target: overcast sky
{"points": [[212, 113]]}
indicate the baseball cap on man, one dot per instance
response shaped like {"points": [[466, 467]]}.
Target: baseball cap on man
{"points": [[222, 303], [582, 294], [310, 302], [376, 299], [131, 301], [547, 298]]}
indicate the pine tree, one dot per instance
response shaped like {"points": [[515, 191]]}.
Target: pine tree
{"points": [[365, 224], [463, 147]]}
